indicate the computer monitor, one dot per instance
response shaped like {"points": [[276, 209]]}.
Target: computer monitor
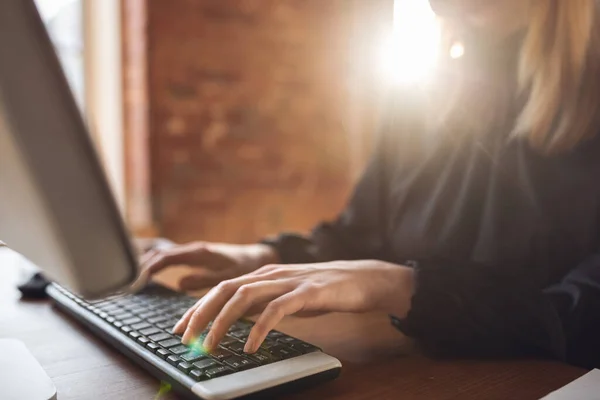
{"points": [[56, 207]]}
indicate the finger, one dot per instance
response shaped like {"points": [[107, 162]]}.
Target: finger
{"points": [[200, 280], [147, 256], [176, 255], [180, 326], [143, 245], [242, 300], [214, 301], [287, 304], [269, 269]]}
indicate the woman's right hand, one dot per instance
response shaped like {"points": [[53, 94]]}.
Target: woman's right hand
{"points": [[212, 262]]}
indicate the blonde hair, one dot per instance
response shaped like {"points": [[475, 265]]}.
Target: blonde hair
{"points": [[558, 79], [558, 72]]}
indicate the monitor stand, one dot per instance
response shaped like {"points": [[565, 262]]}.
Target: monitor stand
{"points": [[22, 375]]}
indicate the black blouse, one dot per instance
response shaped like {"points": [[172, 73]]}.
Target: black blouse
{"points": [[505, 241]]}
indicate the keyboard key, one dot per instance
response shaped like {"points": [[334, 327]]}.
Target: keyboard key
{"points": [[152, 346], [236, 327], [242, 335], [123, 315], [204, 364], [160, 336], [229, 340], [170, 311], [179, 349], [237, 347], [283, 352], [220, 353], [239, 363], [268, 343], [160, 318], [192, 356], [126, 329], [143, 340], [185, 367], [115, 311], [110, 320], [125, 302], [287, 340], [167, 324], [150, 331], [148, 314], [162, 353], [103, 315], [169, 343], [173, 360], [198, 375], [118, 324], [107, 308], [275, 335], [218, 371], [162, 310], [304, 347], [131, 321], [140, 326], [137, 309], [134, 334], [261, 357], [180, 312], [240, 325]]}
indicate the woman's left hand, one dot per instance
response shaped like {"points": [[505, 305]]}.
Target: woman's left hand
{"points": [[275, 291]]}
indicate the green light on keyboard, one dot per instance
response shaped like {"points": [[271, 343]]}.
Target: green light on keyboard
{"points": [[165, 387], [197, 347]]}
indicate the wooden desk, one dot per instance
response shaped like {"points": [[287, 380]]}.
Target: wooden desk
{"points": [[377, 360]]}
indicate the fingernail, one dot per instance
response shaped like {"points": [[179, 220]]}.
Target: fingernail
{"points": [[208, 341], [249, 347], [187, 337]]}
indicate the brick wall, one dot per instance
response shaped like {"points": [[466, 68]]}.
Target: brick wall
{"points": [[253, 112]]}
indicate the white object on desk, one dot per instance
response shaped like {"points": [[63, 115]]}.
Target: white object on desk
{"points": [[585, 388], [22, 377]]}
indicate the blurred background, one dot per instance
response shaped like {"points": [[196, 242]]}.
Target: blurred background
{"points": [[228, 120]]}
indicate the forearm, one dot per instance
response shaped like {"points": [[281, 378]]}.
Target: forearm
{"points": [[472, 310], [265, 254]]}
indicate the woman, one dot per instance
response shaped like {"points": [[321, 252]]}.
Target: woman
{"points": [[476, 225]]}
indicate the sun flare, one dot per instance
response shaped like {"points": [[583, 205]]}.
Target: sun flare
{"points": [[409, 54]]}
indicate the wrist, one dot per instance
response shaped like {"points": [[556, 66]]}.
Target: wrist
{"points": [[397, 301], [265, 254]]}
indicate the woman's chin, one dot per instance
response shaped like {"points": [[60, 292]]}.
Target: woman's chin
{"points": [[459, 9], [444, 8]]}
